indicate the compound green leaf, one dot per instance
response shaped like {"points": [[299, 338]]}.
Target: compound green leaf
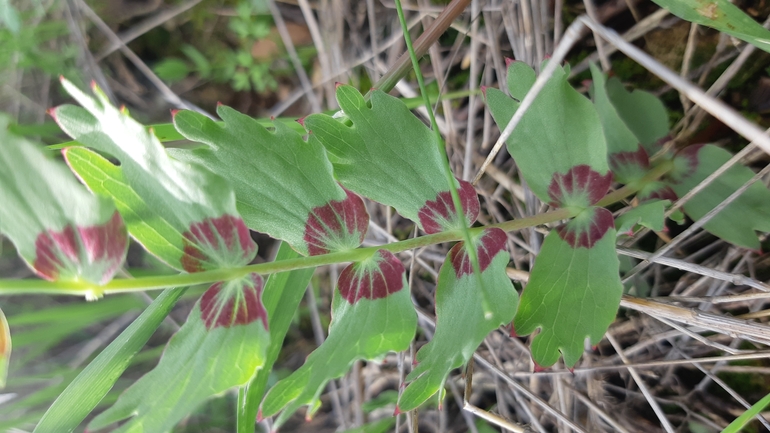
{"points": [[102, 177], [560, 131], [60, 230], [738, 221], [372, 314], [194, 201], [574, 289], [84, 393], [721, 15], [283, 185], [461, 322], [221, 345], [650, 215], [391, 157], [642, 112]]}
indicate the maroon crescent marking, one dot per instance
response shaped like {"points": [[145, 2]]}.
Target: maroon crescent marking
{"points": [[105, 244], [336, 224], [232, 308], [440, 214], [491, 242], [579, 180], [581, 234], [224, 235], [356, 282]]}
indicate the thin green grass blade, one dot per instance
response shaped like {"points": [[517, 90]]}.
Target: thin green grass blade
{"points": [[91, 385], [744, 419], [721, 15], [282, 295]]}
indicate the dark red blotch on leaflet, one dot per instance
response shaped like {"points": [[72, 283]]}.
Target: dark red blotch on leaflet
{"points": [[101, 243], [434, 213], [338, 218], [237, 309], [491, 242], [372, 282], [225, 233]]}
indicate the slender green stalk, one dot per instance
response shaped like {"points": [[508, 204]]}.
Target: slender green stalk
{"points": [[84, 288]]}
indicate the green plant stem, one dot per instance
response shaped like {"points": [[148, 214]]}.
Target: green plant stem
{"points": [[84, 288]]}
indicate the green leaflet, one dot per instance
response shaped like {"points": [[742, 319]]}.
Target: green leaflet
{"points": [[461, 324], [721, 15], [649, 214], [619, 137], [560, 131], [194, 201], [213, 351], [372, 314], [626, 156], [60, 230], [642, 112], [94, 382], [278, 178], [102, 177], [391, 157], [572, 293], [737, 222], [283, 293]]}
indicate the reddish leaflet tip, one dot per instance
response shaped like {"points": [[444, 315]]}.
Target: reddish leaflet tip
{"points": [[272, 118], [219, 104], [52, 112], [571, 370], [538, 368], [225, 235], [440, 406], [595, 347], [94, 86], [512, 332], [61, 78], [547, 56], [491, 242], [260, 418], [67, 251], [301, 120], [336, 226], [174, 112], [580, 186], [483, 91], [337, 84], [440, 214], [234, 303], [509, 61], [397, 412], [629, 162], [362, 281], [586, 230]]}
